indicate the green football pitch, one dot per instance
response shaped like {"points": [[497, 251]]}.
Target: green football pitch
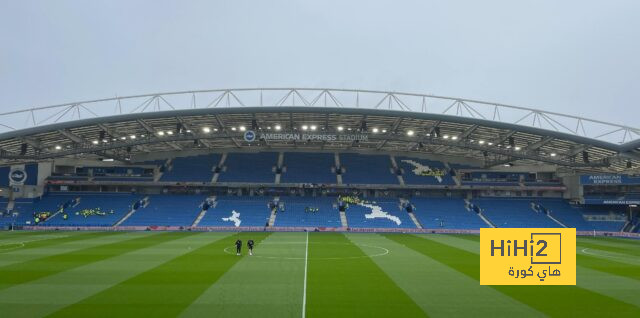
{"points": [[168, 274]]}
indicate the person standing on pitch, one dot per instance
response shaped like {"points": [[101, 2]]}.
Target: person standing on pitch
{"points": [[250, 246], [238, 246]]}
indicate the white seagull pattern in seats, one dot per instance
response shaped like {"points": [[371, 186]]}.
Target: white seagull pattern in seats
{"points": [[377, 213], [419, 169], [235, 218]]}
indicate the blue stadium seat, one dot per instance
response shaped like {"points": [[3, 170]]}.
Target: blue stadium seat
{"points": [[254, 211], [357, 215], [573, 216], [415, 170], [192, 169], [367, 169], [115, 206], [445, 213], [512, 212], [167, 210], [295, 214], [249, 167], [309, 168]]}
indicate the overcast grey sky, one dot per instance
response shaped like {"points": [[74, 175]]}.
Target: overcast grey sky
{"points": [[576, 57]]}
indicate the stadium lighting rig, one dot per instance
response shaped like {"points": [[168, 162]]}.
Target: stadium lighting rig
{"points": [[514, 141]]}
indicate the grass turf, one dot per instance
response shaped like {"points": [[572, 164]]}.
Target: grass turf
{"points": [[348, 275]]}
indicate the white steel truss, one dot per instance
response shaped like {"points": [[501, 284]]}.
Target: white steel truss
{"points": [[320, 97]]}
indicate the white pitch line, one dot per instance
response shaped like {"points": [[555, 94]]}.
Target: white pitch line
{"points": [[304, 290], [17, 245], [606, 255], [384, 252]]}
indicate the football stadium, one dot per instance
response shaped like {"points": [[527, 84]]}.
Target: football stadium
{"points": [[357, 204]]}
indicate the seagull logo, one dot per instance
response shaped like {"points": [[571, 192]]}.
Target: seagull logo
{"points": [[234, 217], [422, 170]]}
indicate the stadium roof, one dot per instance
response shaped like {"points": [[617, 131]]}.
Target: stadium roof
{"points": [[493, 132]]}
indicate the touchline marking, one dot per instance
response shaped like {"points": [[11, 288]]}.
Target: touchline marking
{"points": [[304, 291], [604, 254], [383, 252], [17, 245]]}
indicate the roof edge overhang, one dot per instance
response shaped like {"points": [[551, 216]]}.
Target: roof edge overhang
{"points": [[621, 148]]}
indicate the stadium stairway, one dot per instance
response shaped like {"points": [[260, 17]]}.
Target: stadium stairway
{"points": [[272, 217], [132, 211], [394, 164], [160, 173], [415, 220], [274, 214], [484, 218], [343, 219], [337, 163], [58, 212], [216, 175], [574, 215], [191, 168], [167, 210], [204, 211], [11, 203], [555, 220], [279, 167], [455, 176]]}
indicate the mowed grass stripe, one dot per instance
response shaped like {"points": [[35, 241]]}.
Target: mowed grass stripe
{"points": [[601, 263], [606, 283], [609, 266], [24, 272], [164, 291], [558, 301], [24, 254], [19, 241], [609, 256], [438, 289], [51, 293], [468, 237], [268, 284], [618, 287], [344, 282], [68, 237], [603, 282], [8, 235]]}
